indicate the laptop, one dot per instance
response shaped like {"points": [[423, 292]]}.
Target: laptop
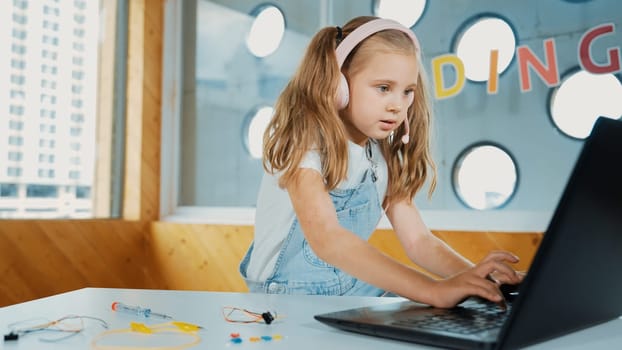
{"points": [[571, 284]]}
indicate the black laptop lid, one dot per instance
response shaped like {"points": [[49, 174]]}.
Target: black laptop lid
{"points": [[574, 280]]}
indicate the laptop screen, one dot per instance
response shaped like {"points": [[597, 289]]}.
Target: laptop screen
{"points": [[573, 280], [571, 283]]}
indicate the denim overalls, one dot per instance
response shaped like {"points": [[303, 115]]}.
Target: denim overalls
{"points": [[299, 271]]}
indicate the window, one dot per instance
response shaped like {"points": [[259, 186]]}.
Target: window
{"points": [[52, 40], [16, 125], [257, 124], [480, 36], [13, 171], [52, 55], [19, 34], [581, 98], [41, 191], [79, 47], [77, 117], [46, 158], [53, 70], [48, 99], [20, 4], [46, 113], [16, 110], [19, 19], [83, 192], [47, 128], [75, 131], [78, 19], [50, 25], [15, 156], [48, 84], [17, 94], [8, 190], [267, 30], [49, 10], [406, 12], [80, 4], [214, 85], [39, 136], [485, 176], [18, 64], [18, 79], [18, 49]]}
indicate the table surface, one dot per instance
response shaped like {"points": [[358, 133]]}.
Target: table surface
{"points": [[296, 325]]}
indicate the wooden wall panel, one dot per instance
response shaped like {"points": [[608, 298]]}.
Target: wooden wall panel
{"points": [[206, 257], [473, 245], [200, 257], [42, 258]]}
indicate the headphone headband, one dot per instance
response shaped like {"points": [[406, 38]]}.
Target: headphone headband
{"points": [[362, 32], [349, 43]]}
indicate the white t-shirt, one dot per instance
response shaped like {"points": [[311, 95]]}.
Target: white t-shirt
{"points": [[275, 214]]}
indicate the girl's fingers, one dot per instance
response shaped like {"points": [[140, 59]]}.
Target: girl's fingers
{"points": [[486, 289], [495, 263], [483, 280], [501, 278], [499, 255], [483, 270]]}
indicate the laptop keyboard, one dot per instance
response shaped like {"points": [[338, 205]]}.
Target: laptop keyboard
{"points": [[469, 319]]}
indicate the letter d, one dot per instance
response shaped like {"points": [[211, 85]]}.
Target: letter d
{"points": [[440, 91]]}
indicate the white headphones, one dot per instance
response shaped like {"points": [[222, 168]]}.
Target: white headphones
{"points": [[349, 43]]}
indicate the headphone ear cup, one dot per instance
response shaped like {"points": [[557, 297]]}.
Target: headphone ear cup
{"points": [[343, 93]]}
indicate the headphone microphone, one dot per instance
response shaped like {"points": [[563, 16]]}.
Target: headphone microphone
{"points": [[351, 41], [406, 136]]}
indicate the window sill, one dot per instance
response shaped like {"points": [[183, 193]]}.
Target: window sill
{"points": [[438, 220]]}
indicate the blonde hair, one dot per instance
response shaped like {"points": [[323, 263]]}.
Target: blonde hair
{"points": [[306, 117]]}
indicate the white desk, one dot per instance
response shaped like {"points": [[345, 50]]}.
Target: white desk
{"points": [[298, 328]]}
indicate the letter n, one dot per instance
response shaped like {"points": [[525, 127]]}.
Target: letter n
{"points": [[548, 72]]}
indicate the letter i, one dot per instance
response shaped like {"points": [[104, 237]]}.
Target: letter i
{"points": [[493, 75]]}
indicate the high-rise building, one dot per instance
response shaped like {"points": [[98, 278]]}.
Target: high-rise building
{"points": [[48, 100]]}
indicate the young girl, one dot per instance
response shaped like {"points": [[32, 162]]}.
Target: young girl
{"points": [[349, 141]]}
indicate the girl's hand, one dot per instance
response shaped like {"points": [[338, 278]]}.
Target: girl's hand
{"points": [[478, 281]]}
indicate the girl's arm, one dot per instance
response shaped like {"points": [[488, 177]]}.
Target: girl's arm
{"points": [[436, 256], [343, 249], [422, 247]]}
